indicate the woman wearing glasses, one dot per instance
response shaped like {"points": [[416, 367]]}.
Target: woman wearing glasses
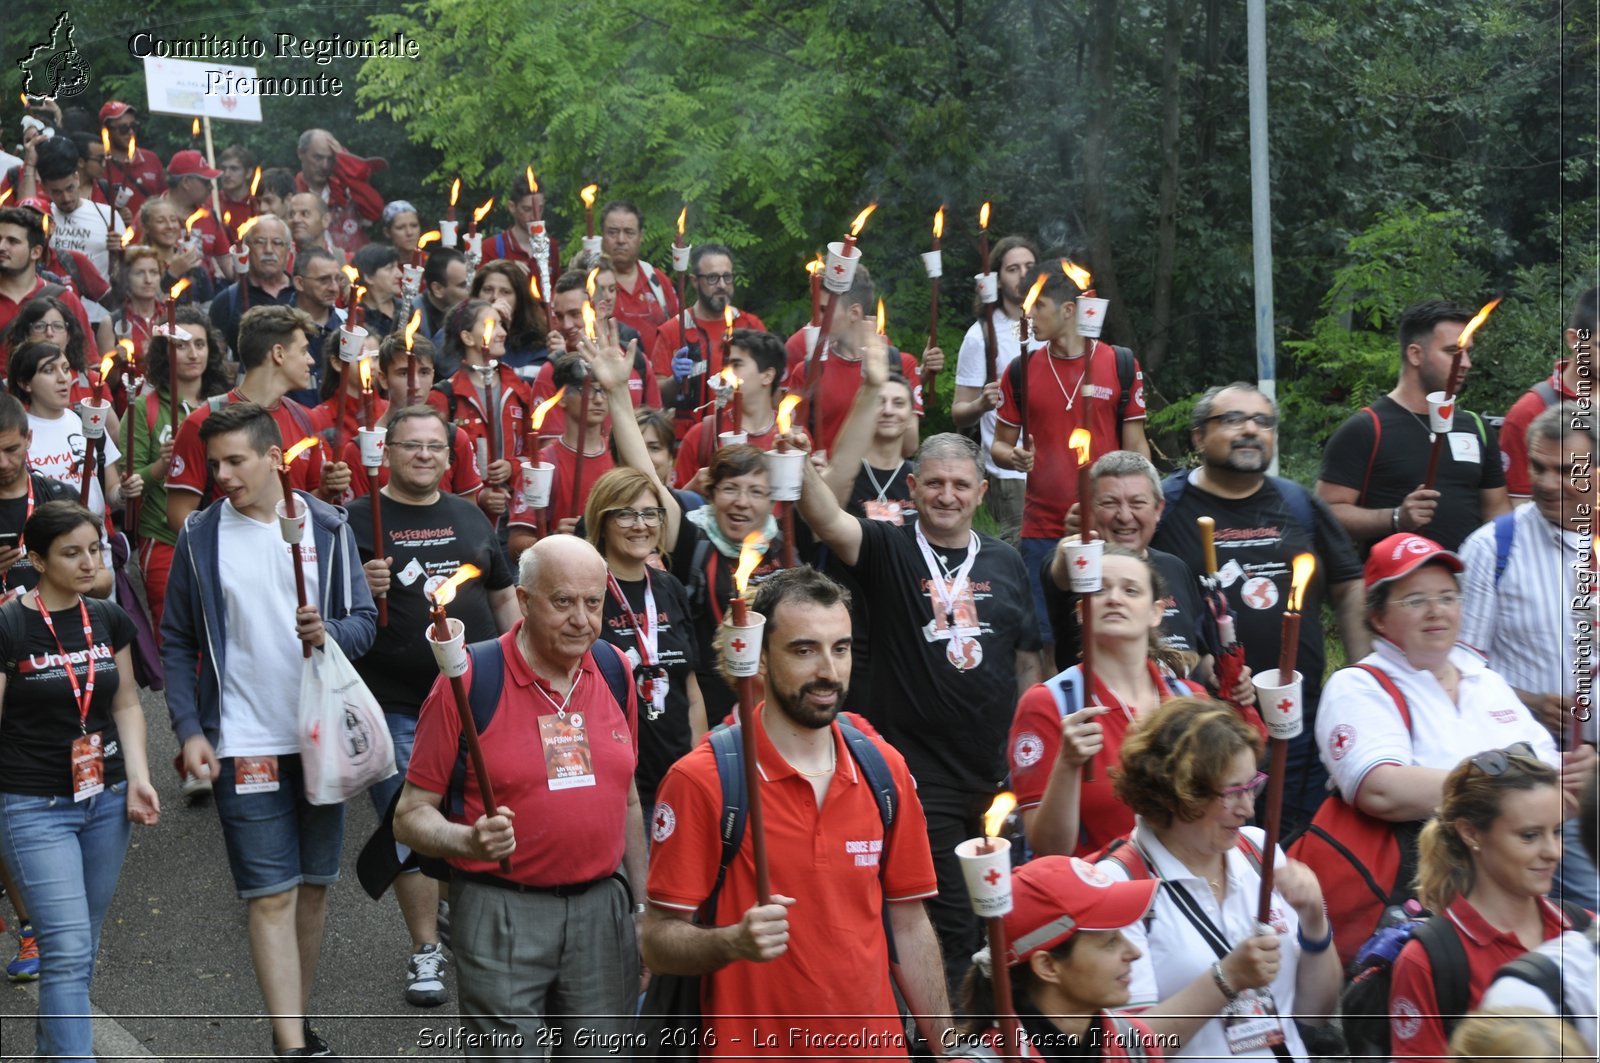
{"points": [[1054, 736], [1208, 977], [1392, 769], [1486, 861]]}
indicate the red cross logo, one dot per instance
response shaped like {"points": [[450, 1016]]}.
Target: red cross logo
{"points": [[1082, 562], [1285, 705], [1340, 740], [839, 269], [738, 645], [993, 877], [1088, 311], [661, 822]]}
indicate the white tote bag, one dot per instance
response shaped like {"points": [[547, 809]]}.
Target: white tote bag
{"points": [[344, 740]]}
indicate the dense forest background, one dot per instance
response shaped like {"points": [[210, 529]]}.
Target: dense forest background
{"points": [[1419, 148]]}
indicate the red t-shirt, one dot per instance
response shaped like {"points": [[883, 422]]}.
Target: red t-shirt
{"points": [[1514, 433], [642, 389], [214, 239], [707, 335], [694, 453], [573, 834], [1415, 1030], [565, 459], [238, 211], [640, 308], [10, 308], [515, 409], [1036, 739], [836, 966], [144, 177], [838, 380], [189, 472], [1056, 397]]}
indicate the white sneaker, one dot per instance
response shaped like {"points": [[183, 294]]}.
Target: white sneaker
{"points": [[425, 977], [194, 786]]}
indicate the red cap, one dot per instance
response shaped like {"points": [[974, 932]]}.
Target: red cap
{"points": [[113, 109], [1054, 897], [190, 163], [36, 203], [1402, 554]]}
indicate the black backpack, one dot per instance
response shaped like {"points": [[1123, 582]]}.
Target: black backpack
{"points": [[1544, 974]]}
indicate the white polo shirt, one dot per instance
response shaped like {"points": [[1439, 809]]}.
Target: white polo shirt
{"points": [[1575, 957], [1358, 726], [1175, 953]]}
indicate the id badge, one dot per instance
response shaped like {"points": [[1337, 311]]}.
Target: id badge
{"points": [[255, 775], [1251, 1022], [653, 691], [889, 511], [88, 767], [567, 760]]}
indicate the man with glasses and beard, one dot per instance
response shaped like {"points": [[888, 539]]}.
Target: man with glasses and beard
{"points": [[1263, 523], [688, 349], [823, 953]]}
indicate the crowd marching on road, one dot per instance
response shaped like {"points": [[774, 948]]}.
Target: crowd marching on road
{"points": [[693, 682]]}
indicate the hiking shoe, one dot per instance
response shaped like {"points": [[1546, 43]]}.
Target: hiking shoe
{"points": [[195, 788], [25, 968], [425, 977]]}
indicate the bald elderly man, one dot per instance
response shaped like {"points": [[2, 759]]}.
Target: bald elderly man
{"points": [[546, 951]]}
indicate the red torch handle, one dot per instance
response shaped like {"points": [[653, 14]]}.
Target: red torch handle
{"points": [[377, 540], [1276, 763], [469, 731], [752, 785], [1010, 1028], [299, 587], [583, 445]]}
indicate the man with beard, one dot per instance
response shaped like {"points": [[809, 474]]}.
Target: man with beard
{"points": [[1374, 467], [1263, 523], [824, 952], [264, 284], [686, 359], [22, 246], [128, 166], [645, 299]]}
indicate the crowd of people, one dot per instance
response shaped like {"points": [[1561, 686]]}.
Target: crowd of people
{"points": [[629, 476]]}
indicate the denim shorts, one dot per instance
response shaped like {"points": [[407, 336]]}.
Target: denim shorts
{"points": [[278, 840], [403, 730], [1034, 552]]}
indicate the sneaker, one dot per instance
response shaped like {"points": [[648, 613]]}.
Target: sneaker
{"points": [[25, 968], [315, 1047], [195, 788], [424, 977]]}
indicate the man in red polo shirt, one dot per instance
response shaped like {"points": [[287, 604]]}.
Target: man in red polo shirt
{"points": [[1561, 384], [139, 171], [645, 299], [805, 974], [551, 942], [22, 244], [685, 366]]}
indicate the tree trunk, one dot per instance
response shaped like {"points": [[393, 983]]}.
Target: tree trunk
{"points": [[1097, 130], [1154, 349]]}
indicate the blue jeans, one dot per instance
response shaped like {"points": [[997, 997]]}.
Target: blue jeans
{"points": [[403, 730], [66, 857], [1034, 552]]}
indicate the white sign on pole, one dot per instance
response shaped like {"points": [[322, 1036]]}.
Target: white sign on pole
{"points": [[179, 86]]}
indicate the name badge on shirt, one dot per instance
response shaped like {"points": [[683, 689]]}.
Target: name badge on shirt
{"points": [[1464, 447], [889, 511], [88, 767], [255, 775], [1250, 1022], [567, 760]]}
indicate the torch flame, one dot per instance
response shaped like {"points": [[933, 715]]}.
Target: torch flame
{"points": [[533, 184], [995, 818], [814, 265], [482, 212], [881, 319], [983, 216], [446, 592], [361, 293], [1304, 566], [729, 377], [455, 191], [588, 194], [188, 223], [588, 319], [106, 363], [1477, 319], [298, 449], [543, 409], [227, 217], [488, 331], [861, 219], [412, 327], [194, 128], [1079, 441], [786, 412], [427, 238], [105, 139], [127, 346], [133, 146], [255, 181], [1033, 294], [127, 237], [179, 288], [727, 315], [351, 272], [45, 222], [938, 223], [589, 284], [1077, 274], [246, 226], [749, 559], [533, 288], [683, 216], [366, 374], [5, 195]]}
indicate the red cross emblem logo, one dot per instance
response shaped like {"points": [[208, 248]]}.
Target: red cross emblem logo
{"points": [[1088, 311], [738, 645], [993, 877], [1285, 705], [1340, 740], [1082, 562], [839, 269], [661, 822]]}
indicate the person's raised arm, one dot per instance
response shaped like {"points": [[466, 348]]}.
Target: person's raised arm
{"points": [[855, 435], [826, 518], [612, 366]]}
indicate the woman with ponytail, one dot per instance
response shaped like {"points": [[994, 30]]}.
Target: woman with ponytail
{"points": [[1486, 861]]}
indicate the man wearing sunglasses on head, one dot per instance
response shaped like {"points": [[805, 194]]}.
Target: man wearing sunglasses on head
{"points": [[138, 170]]}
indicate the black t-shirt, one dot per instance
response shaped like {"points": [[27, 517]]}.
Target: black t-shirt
{"points": [[1257, 539], [708, 578], [39, 719], [14, 514], [878, 494], [1469, 464], [427, 543], [888, 491], [949, 722], [1180, 627], [663, 733]]}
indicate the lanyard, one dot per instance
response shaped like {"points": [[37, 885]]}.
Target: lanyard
{"points": [[84, 695], [645, 631], [883, 489], [948, 591], [5, 579]]}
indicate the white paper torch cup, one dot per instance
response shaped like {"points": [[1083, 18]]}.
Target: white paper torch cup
{"points": [[1441, 412], [177, 335], [124, 196], [1091, 315], [241, 258], [988, 287], [933, 262], [591, 245], [450, 656], [447, 233], [1280, 703], [293, 528], [536, 228], [987, 874], [839, 272], [475, 246], [351, 340], [411, 276], [370, 440], [536, 483], [733, 439], [783, 474], [1083, 565], [680, 257], [93, 415], [741, 647], [812, 332]]}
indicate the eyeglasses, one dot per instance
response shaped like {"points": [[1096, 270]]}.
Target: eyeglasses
{"points": [[123, 127], [1236, 418], [415, 446], [627, 518], [733, 492], [1496, 761], [39, 328], [1418, 602], [715, 278], [1250, 790]]}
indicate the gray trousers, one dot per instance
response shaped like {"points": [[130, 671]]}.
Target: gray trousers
{"points": [[1004, 503], [542, 976]]}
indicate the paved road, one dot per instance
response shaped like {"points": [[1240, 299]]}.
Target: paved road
{"points": [[174, 968]]}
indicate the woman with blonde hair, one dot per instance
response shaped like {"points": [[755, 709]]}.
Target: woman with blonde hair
{"points": [[1518, 1033]]}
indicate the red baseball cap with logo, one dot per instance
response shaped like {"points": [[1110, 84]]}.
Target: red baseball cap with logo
{"points": [[190, 163], [1402, 554], [113, 109], [1054, 897]]}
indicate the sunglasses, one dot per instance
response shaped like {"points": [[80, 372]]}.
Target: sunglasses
{"points": [[1495, 761]]}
